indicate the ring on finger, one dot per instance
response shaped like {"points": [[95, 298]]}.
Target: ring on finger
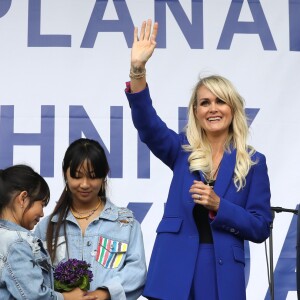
{"points": [[199, 196]]}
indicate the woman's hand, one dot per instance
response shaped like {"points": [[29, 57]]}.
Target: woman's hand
{"points": [[204, 194], [101, 294], [143, 44], [78, 294], [142, 49]]}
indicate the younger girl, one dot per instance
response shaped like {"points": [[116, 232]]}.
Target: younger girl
{"points": [[86, 225], [25, 266]]}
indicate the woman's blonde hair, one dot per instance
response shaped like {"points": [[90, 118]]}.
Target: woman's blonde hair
{"points": [[201, 154]]}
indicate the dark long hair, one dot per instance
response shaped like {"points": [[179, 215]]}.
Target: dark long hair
{"points": [[19, 178], [77, 153]]}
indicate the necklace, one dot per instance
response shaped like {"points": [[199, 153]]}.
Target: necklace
{"points": [[211, 179], [85, 215]]}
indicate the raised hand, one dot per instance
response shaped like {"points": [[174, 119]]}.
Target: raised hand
{"points": [[143, 44], [142, 49]]}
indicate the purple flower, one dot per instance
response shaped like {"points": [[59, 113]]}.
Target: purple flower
{"points": [[71, 274]]}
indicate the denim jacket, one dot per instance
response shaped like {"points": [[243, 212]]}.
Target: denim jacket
{"points": [[25, 266], [112, 244]]}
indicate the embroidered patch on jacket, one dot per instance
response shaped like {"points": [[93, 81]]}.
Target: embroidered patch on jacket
{"points": [[110, 252]]}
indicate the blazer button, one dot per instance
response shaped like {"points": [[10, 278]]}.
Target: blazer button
{"points": [[232, 230], [220, 261]]}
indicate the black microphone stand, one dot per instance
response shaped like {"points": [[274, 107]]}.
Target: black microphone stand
{"points": [[276, 209]]}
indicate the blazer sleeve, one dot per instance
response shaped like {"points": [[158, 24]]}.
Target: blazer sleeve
{"points": [[163, 142], [252, 220]]}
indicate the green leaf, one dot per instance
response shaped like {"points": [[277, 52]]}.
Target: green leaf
{"points": [[85, 284], [61, 287]]}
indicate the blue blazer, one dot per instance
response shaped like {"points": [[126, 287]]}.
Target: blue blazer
{"points": [[243, 215]]}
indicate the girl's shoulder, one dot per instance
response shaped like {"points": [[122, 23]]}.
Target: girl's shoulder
{"points": [[120, 210], [125, 215], [41, 228], [15, 238], [11, 232], [122, 214], [8, 237]]}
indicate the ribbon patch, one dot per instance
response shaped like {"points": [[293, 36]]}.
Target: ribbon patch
{"points": [[110, 252]]}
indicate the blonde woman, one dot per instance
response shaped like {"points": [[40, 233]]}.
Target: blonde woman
{"points": [[220, 192]]}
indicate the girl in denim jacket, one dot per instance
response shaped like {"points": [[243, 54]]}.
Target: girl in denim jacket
{"points": [[85, 225], [25, 266]]}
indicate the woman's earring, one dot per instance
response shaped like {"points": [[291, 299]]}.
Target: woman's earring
{"points": [[66, 186]]}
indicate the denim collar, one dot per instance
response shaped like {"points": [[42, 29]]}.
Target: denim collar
{"points": [[110, 212], [12, 226]]}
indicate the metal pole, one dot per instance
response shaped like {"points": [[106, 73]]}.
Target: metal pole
{"points": [[271, 259]]}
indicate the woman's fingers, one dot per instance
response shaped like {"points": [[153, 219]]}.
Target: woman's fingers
{"points": [[154, 32], [142, 32], [148, 29], [135, 34]]}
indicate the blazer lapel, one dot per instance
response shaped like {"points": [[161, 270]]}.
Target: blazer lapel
{"points": [[226, 172]]}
